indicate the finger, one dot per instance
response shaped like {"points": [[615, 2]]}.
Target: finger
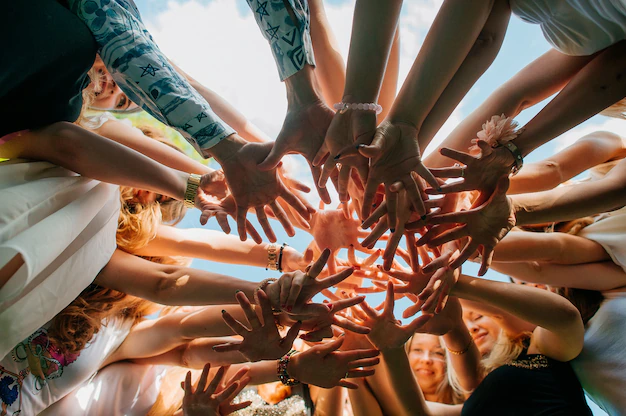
{"points": [[334, 279], [267, 228], [390, 250], [329, 166], [486, 262], [412, 310], [450, 188], [450, 235], [253, 232], [294, 291], [426, 174], [319, 264], [344, 179], [234, 324], [389, 301], [464, 158], [248, 311], [353, 355], [330, 295], [232, 408], [365, 307], [371, 259], [228, 391], [241, 223], [350, 325], [360, 373], [414, 195], [320, 156], [297, 185], [452, 172], [318, 335], [216, 381], [282, 218], [375, 216], [227, 347], [342, 304], [187, 385], [291, 336], [418, 322], [266, 307], [352, 255], [368, 290], [316, 171], [378, 231], [469, 249], [273, 158], [392, 208], [222, 220], [366, 362], [302, 207], [368, 195], [347, 384], [328, 347]]}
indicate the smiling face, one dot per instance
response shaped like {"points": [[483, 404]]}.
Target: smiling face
{"points": [[108, 95], [484, 330], [428, 361]]}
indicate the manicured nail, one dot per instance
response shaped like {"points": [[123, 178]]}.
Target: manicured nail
{"points": [[343, 334], [304, 336], [439, 189], [337, 157], [423, 217], [299, 322], [360, 146], [330, 307], [283, 306], [373, 205], [289, 308], [237, 291], [393, 230], [213, 347], [223, 311]]}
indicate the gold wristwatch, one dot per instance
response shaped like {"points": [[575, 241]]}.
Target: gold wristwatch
{"points": [[193, 182]]}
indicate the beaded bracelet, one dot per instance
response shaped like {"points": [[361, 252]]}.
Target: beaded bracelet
{"points": [[262, 286], [272, 259], [281, 370], [343, 107]]}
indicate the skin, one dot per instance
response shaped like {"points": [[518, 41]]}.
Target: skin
{"points": [[484, 330], [427, 359], [109, 96]]}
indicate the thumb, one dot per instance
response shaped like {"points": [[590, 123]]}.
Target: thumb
{"points": [[273, 159], [485, 148], [331, 346], [292, 334], [502, 186], [418, 322], [375, 148]]}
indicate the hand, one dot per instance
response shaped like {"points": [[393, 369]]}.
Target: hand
{"points": [[481, 172], [262, 341], [214, 184], [385, 331], [294, 260], [252, 188], [293, 291], [214, 399], [303, 132], [395, 154], [325, 367], [347, 131], [221, 210], [449, 318], [485, 226], [435, 295]]}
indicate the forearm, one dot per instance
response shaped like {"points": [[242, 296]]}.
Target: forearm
{"points": [[205, 244], [97, 157], [565, 203], [401, 377], [441, 55], [600, 84], [467, 363], [539, 307], [329, 402], [154, 149], [389, 87], [373, 30], [478, 60], [560, 248], [362, 400], [534, 83]]}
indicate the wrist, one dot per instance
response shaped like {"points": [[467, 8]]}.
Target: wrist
{"points": [[302, 88], [227, 148], [293, 366]]}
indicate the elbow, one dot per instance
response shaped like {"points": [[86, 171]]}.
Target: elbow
{"points": [[63, 145], [486, 46], [167, 283]]}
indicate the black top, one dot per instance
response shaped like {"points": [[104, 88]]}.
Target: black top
{"points": [[531, 385], [45, 53]]}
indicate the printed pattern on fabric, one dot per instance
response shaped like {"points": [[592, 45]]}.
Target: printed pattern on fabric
{"points": [[43, 361], [143, 72], [290, 41]]}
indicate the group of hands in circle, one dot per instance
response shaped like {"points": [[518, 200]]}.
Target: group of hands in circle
{"points": [[378, 171]]}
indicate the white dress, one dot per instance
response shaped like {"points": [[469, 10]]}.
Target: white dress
{"points": [[64, 227], [119, 389], [576, 27], [601, 366], [609, 230], [24, 391]]}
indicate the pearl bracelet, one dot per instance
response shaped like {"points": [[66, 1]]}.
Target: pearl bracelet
{"points": [[343, 107]]}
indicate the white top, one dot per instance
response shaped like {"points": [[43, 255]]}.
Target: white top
{"points": [[119, 389], [609, 230], [23, 390], [64, 227], [601, 366], [576, 27]]}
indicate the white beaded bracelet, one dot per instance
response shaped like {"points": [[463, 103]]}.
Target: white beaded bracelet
{"points": [[343, 107]]}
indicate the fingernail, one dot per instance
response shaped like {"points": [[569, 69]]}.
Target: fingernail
{"points": [[283, 306], [439, 189], [237, 291], [330, 307], [343, 334], [393, 230], [373, 205], [423, 217], [299, 322], [337, 157], [213, 347], [289, 308]]}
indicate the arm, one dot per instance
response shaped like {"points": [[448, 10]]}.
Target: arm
{"points": [[560, 330], [143, 72], [155, 150], [564, 203], [94, 156], [560, 248], [429, 76], [601, 276], [328, 402], [587, 152], [362, 400], [467, 365], [534, 83], [509, 323], [600, 84], [170, 285]]}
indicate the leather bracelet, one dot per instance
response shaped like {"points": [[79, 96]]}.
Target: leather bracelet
{"points": [[281, 370], [517, 155], [464, 350], [193, 182], [279, 264]]}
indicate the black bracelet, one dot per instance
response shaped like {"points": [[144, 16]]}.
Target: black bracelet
{"points": [[280, 258]]}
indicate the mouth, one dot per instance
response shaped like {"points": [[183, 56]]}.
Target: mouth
{"points": [[424, 371], [480, 337]]}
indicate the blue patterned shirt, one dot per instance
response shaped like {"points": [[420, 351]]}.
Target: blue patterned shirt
{"points": [[144, 74]]}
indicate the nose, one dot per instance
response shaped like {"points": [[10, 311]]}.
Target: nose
{"points": [[425, 357], [472, 327]]}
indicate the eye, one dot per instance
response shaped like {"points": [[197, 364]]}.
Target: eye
{"points": [[440, 353], [122, 102]]}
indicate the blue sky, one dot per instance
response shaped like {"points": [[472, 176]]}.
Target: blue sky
{"points": [[218, 42]]}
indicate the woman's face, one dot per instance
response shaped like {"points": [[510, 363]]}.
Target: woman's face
{"points": [[108, 95], [484, 330], [428, 361], [147, 197]]}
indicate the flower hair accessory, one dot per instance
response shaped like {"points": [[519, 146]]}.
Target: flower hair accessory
{"points": [[498, 130]]}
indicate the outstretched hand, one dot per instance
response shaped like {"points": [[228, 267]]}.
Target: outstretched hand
{"points": [[215, 398]]}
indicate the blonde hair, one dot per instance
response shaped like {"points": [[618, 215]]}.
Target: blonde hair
{"points": [[617, 110], [446, 393]]}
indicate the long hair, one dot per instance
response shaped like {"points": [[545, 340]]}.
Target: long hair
{"points": [[617, 110], [76, 325]]}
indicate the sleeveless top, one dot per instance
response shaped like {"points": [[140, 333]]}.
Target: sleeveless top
{"points": [[531, 385], [576, 27], [44, 67], [25, 390]]}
